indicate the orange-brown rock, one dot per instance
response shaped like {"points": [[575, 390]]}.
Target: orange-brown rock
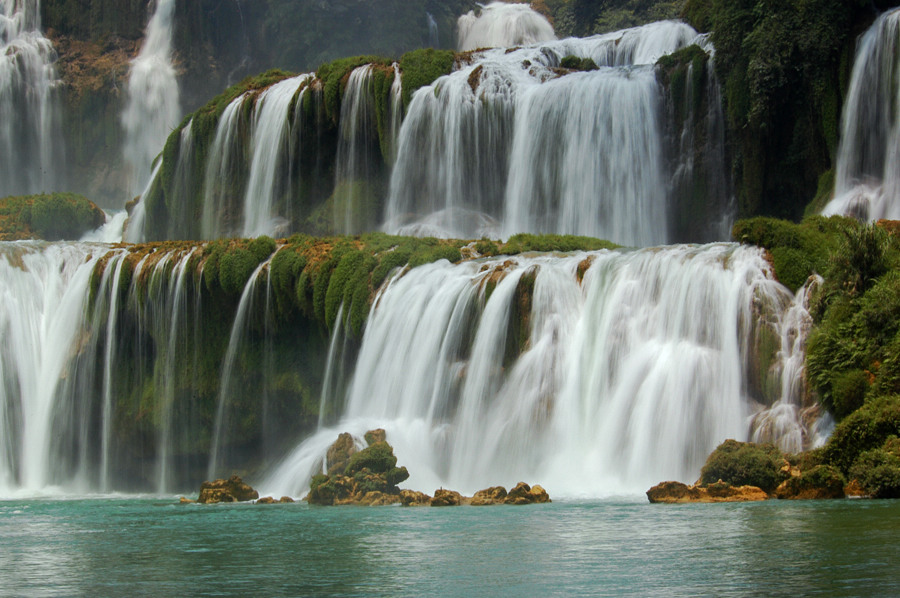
{"points": [[377, 435], [339, 454], [447, 498], [266, 500], [414, 498], [855, 490], [231, 490], [495, 495], [523, 494], [186, 501], [285, 499], [375, 499], [676, 492]]}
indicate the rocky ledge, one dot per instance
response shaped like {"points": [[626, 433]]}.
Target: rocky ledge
{"points": [[521, 494]]}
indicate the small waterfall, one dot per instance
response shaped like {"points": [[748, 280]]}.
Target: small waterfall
{"points": [[502, 25], [506, 144], [433, 41], [220, 177], [867, 175], [31, 159], [152, 107], [355, 199], [270, 147], [238, 330], [789, 421], [595, 373], [396, 108]]}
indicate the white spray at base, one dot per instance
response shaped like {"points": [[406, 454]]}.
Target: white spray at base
{"points": [[627, 369], [152, 109], [867, 174]]}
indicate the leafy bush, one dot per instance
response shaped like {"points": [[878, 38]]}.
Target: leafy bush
{"points": [[744, 464], [865, 429], [377, 458], [878, 470]]}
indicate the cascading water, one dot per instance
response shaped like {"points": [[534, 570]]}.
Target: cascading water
{"points": [[593, 373], [508, 145], [867, 175], [502, 25], [355, 202], [30, 156], [152, 107]]}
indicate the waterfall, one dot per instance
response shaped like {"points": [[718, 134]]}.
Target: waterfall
{"points": [[511, 143], [220, 178], [31, 159], [355, 201], [502, 25], [270, 146], [433, 41], [867, 174], [592, 374], [152, 107], [41, 321]]}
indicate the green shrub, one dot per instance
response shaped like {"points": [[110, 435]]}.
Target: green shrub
{"points": [[848, 391], [744, 464], [576, 63], [824, 480], [865, 429], [792, 267], [377, 458], [878, 470]]}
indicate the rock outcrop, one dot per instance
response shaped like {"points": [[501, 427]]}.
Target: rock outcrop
{"points": [[358, 477], [231, 490], [523, 494], [676, 492]]}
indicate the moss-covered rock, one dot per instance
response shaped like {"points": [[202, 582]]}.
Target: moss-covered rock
{"points": [[52, 217], [744, 464]]}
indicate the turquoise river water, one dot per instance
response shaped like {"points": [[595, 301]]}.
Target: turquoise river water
{"points": [[153, 546]]}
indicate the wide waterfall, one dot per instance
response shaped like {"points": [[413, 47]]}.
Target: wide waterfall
{"points": [[502, 25], [595, 373], [152, 109], [30, 155], [867, 175], [512, 143]]}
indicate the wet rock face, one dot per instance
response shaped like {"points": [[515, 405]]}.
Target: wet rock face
{"points": [[523, 494], [231, 490]]}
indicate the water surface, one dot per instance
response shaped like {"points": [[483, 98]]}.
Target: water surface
{"points": [[626, 547]]}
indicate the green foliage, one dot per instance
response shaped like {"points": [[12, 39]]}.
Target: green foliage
{"points": [[825, 480], [878, 470], [426, 255], [744, 464], [848, 391], [422, 67], [377, 458], [861, 259], [865, 429], [53, 217]]}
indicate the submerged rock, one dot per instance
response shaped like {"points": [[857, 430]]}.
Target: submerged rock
{"points": [[676, 492], [231, 490]]}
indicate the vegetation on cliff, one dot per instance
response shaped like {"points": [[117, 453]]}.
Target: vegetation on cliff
{"points": [[52, 217], [853, 351]]}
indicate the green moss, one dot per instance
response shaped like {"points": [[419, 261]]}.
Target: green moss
{"points": [[576, 63], [422, 67], [262, 247], [48, 216], [235, 268], [334, 79], [744, 464], [378, 458], [525, 242]]}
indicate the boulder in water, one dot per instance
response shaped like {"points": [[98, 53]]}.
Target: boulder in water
{"points": [[822, 481], [523, 494], [676, 492], [495, 495], [339, 454], [231, 490], [414, 498], [447, 498]]}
